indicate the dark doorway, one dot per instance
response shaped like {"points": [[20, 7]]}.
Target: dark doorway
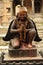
{"points": [[37, 5], [15, 2]]}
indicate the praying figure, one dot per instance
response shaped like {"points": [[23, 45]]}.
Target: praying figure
{"points": [[22, 30]]}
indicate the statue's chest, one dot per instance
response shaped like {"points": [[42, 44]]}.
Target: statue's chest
{"points": [[20, 23]]}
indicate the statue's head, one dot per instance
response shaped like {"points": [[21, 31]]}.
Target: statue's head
{"points": [[21, 11]]}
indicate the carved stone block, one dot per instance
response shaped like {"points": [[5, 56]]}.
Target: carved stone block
{"points": [[27, 52]]}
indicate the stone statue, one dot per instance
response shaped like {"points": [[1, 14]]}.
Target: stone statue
{"points": [[22, 30]]}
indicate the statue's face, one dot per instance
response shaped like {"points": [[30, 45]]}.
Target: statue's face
{"points": [[22, 15]]}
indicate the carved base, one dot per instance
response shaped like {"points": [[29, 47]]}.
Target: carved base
{"points": [[27, 52]]}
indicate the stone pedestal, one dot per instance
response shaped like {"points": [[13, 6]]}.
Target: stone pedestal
{"points": [[10, 59], [27, 52]]}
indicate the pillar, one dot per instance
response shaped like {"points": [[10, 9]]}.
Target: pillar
{"points": [[22, 2], [32, 6]]}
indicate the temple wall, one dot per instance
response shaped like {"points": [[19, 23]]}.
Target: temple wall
{"points": [[6, 9]]}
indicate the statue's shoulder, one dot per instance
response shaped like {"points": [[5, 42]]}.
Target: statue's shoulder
{"points": [[13, 20], [29, 19]]}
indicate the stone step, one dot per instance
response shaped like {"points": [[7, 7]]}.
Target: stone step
{"points": [[38, 19], [6, 23], [41, 36], [3, 29], [2, 42], [40, 31], [2, 35], [40, 28], [4, 48], [38, 22]]}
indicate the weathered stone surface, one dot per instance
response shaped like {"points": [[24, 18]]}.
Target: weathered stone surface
{"points": [[27, 52]]}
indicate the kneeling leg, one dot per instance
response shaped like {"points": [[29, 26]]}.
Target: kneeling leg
{"points": [[15, 43], [31, 36]]}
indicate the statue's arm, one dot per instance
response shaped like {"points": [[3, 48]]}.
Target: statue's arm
{"points": [[30, 26], [14, 27], [27, 30], [15, 30]]}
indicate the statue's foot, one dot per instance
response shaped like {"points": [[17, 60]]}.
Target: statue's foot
{"points": [[24, 45], [29, 45]]}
